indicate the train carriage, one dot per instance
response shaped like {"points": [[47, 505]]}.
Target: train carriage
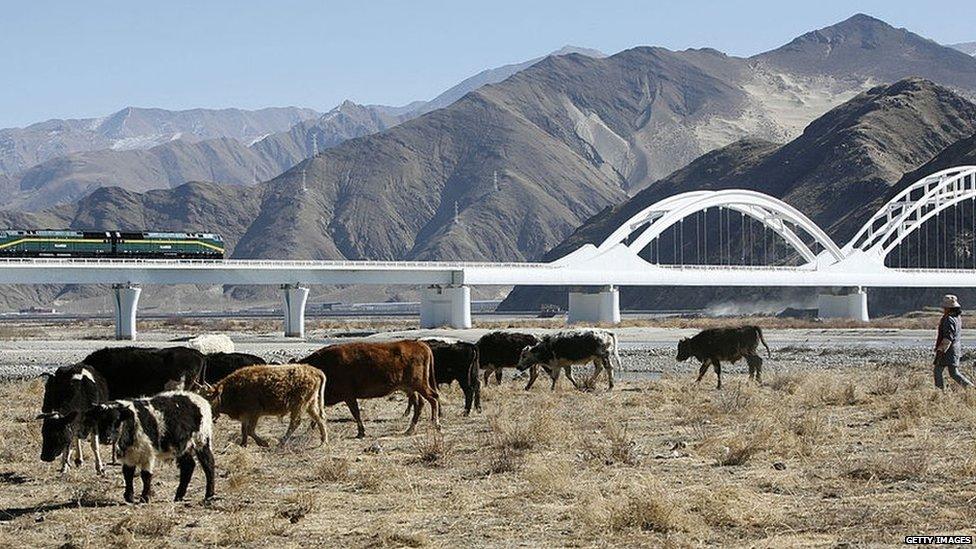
{"points": [[89, 244]]}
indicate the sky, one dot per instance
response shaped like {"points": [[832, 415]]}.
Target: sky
{"points": [[71, 59]]}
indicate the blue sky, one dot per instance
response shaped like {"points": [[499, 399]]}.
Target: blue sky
{"points": [[89, 58]]}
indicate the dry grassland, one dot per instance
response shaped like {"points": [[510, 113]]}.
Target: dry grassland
{"points": [[808, 459]]}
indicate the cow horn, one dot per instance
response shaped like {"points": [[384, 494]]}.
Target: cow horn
{"points": [[49, 415], [45, 374]]}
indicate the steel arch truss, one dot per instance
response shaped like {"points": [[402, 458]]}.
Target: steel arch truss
{"points": [[773, 213], [912, 207]]}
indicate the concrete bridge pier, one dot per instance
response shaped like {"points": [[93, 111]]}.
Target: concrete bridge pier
{"points": [[602, 306], [126, 299], [852, 305], [445, 306], [294, 309]]}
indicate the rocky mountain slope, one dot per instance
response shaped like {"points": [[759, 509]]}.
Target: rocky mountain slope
{"points": [[153, 156], [138, 128], [838, 171], [968, 48]]}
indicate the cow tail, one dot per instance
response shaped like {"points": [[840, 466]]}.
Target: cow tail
{"points": [[769, 353], [474, 380], [203, 372], [322, 381], [431, 375], [614, 352]]}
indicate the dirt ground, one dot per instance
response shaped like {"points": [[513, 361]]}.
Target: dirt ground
{"points": [[859, 455]]}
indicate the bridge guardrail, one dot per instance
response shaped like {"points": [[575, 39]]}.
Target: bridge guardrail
{"points": [[288, 263]]}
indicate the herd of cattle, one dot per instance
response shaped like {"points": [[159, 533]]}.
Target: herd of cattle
{"points": [[156, 405]]}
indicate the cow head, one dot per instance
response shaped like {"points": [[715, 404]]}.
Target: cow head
{"points": [[57, 430], [684, 350], [532, 354], [107, 419], [213, 394]]}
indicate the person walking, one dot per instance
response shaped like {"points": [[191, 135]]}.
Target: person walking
{"points": [[948, 345]]}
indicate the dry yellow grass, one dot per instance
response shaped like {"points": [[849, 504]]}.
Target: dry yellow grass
{"points": [[809, 459]]}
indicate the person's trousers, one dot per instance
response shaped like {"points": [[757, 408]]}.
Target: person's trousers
{"points": [[953, 373]]}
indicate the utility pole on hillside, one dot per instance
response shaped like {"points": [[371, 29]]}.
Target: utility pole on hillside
{"points": [[495, 180], [457, 214]]}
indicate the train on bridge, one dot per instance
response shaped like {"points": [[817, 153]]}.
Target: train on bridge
{"points": [[110, 245]]}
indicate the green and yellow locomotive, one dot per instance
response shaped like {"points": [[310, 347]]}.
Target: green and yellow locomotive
{"points": [[89, 244]]}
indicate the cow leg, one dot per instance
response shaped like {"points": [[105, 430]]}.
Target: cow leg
{"points": [[186, 465], [206, 459], [79, 459], [65, 456], [477, 395], [717, 366], [701, 371], [318, 418], [554, 375], [99, 468], [533, 374], [488, 371], [418, 408], [755, 367], [128, 473], [498, 375], [569, 375], [431, 395], [115, 460], [245, 431], [468, 398], [354, 410], [597, 369], [411, 402], [254, 434], [608, 364], [147, 490], [293, 422]]}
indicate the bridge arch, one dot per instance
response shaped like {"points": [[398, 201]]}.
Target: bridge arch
{"points": [[910, 208], [770, 211]]}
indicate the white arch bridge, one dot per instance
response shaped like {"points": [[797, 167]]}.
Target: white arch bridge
{"points": [[925, 236]]}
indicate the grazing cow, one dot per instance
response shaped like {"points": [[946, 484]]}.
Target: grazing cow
{"points": [[217, 366], [68, 393], [716, 344], [265, 390], [455, 360], [374, 370], [171, 425], [498, 350], [136, 371], [564, 349]]}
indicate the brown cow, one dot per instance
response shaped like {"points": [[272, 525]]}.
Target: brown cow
{"points": [[262, 390], [374, 370]]}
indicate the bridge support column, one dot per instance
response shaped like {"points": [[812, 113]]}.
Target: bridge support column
{"points": [[602, 306], [126, 300], [852, 305], [445, 306], [294, 309]]}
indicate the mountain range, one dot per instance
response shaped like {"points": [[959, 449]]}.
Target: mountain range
{"points": [[511, 169], [965, 47], [143, 149]]}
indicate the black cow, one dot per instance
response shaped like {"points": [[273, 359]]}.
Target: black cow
{"points": [[172, 425], [136, 371], [68, 393], [217, 366], [564, 349], [730, 344], [498, 350], [455, 360]]}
